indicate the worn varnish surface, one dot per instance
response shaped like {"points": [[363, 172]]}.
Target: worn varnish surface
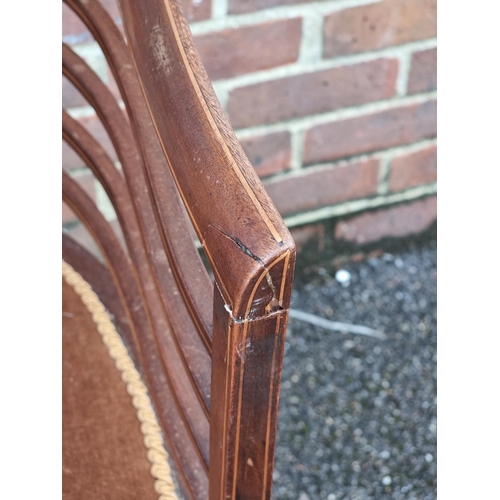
{"points": [[211, 355], [97, 413]]}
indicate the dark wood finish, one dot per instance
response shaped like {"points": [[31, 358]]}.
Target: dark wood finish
{"points": [[211, 356]]}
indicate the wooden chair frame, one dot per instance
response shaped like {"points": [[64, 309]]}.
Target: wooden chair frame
{"points": [[211, 354]]}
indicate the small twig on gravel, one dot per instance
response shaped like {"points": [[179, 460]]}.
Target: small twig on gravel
{"points": [[336, 326]]}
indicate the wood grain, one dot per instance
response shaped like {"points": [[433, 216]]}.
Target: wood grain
{"points": [[211, 353]]}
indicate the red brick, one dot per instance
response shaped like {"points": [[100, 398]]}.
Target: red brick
{"points": [[74, 31], [71, 97], [306, 234], [320, 188], [113, 9], [70, 160], [378, 25], [87, 183], [269, 154], [94, 127], [242, 50], [395, 222], [423, 72], [413, 169], [83, 237], [196, 10], [244, 6], [311, 93], [67, 214], [385, 129]]}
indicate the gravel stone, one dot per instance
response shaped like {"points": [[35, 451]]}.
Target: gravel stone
{"points": [[357, 415]]}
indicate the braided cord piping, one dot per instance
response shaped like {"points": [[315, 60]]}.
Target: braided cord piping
{"points": [[153, 440]]}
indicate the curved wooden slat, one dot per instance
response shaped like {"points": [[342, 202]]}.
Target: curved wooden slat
{"points": [[191, 351], [186, 264], [183, 449], [185, 142], [251, 251], [184, 387], [242, 233], [163, 273], [99, 96]]}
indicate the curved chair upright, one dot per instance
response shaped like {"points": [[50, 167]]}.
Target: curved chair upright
{"points": [[210, 354]]}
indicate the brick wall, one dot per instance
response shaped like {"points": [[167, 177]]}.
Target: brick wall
{"points": [[334, 102]]}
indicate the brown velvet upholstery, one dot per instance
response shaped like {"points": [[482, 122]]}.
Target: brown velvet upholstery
{"points": [[104, 457]]}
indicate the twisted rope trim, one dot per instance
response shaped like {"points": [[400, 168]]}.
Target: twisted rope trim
{"points": [[153, 441]]}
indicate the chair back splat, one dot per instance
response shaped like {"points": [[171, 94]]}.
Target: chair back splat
{"points": [[211, 355]]}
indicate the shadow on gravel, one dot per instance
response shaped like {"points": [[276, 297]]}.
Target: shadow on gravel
{"points": [[358, 414]]}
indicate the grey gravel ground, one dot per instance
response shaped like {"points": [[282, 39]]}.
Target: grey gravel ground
{"points": [[358, 415]]}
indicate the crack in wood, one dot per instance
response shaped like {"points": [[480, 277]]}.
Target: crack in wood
{"points": [[274, 303]]}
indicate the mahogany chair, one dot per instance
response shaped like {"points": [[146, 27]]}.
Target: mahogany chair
{"points": [[210, 354]]}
